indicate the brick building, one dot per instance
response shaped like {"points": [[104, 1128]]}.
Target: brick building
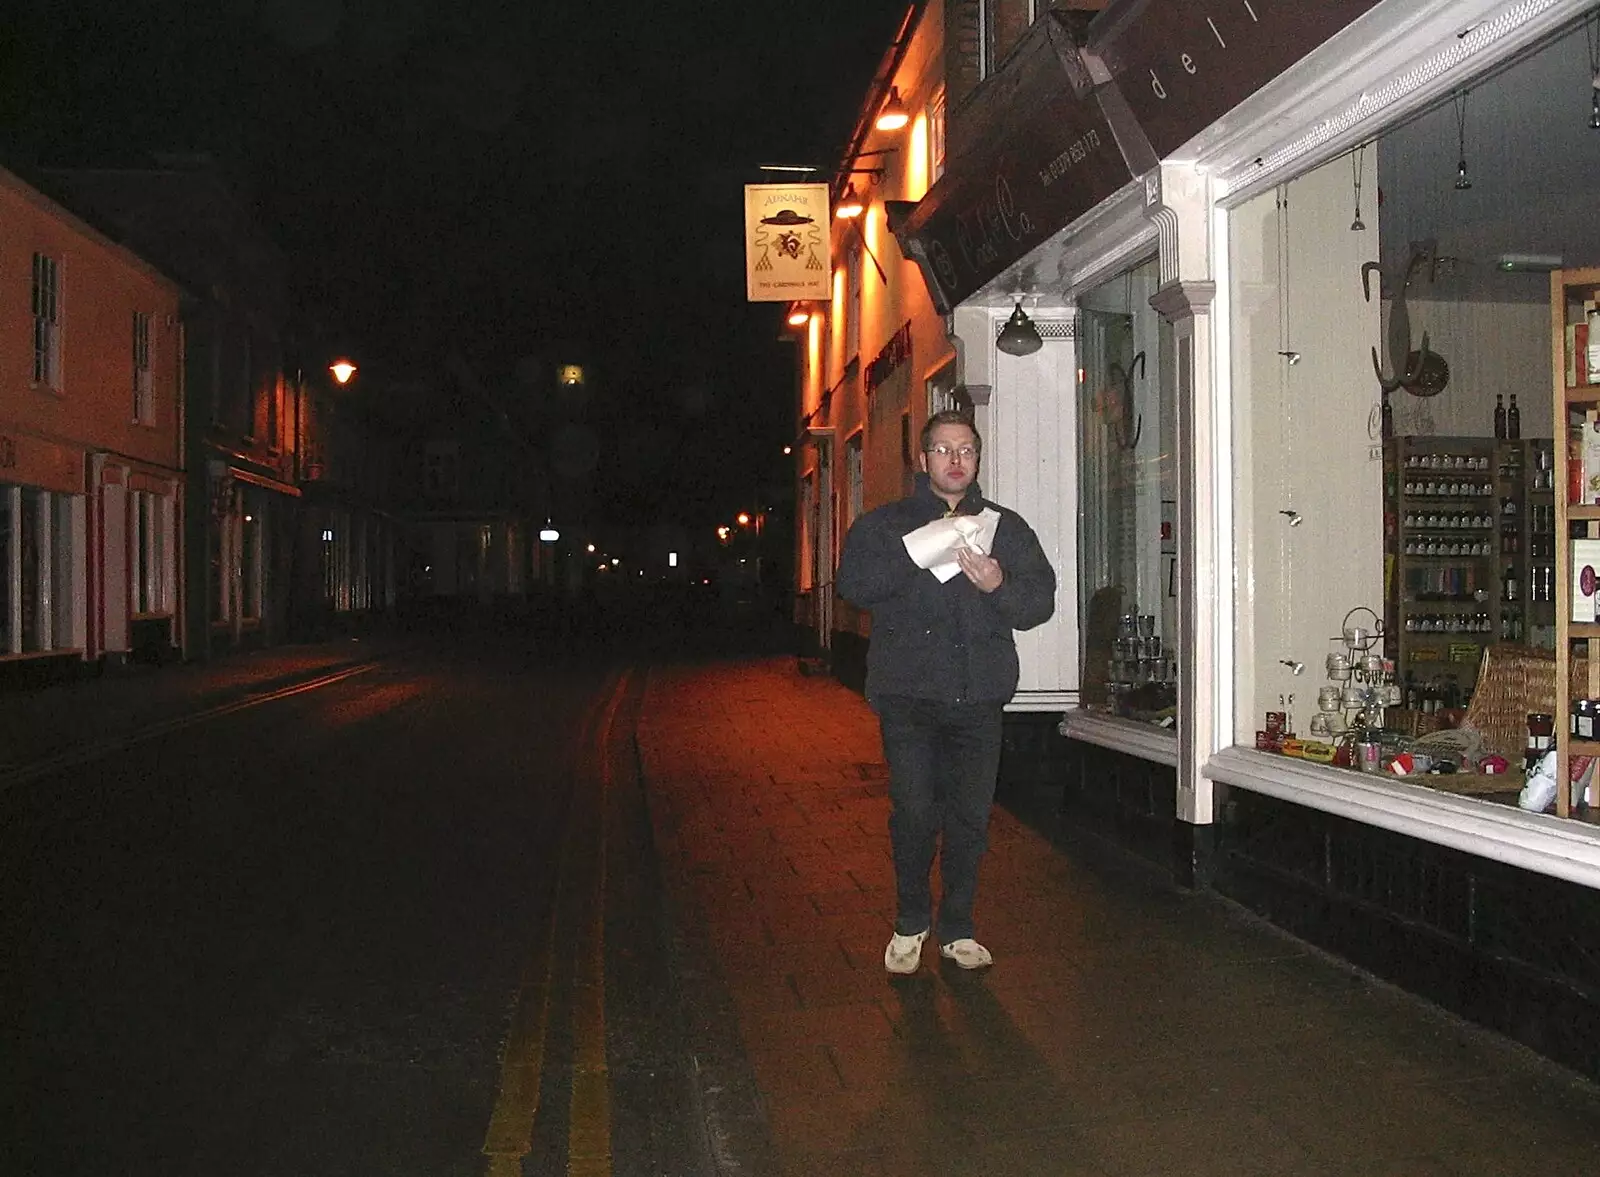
{"points": [[91, 465]]}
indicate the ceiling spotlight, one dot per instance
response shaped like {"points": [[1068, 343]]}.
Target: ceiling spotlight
{"points": [[849, 204], [893, 116], [1019, 337]]}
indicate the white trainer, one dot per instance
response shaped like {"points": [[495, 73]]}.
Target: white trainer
{"points": [[969, 954], [904, 953]]}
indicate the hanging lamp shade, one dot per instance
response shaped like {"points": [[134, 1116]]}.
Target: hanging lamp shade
{"points": [[1019, 337], [894, 115]]}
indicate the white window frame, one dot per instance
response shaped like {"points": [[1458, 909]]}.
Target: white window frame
{"points": [[936, 135], [46, 306], [144, 412]]}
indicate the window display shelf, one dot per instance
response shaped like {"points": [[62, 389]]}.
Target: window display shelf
{"points": [[1469, 537], [1573, 300]]}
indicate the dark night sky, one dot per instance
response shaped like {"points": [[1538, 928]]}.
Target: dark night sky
{"points": [[514, 179]]}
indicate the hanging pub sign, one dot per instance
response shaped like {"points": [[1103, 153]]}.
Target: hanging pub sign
{"points": [[786, 242], [1182, 64], [1036, 153]]}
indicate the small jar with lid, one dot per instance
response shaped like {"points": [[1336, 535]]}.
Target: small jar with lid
{"points": [[1584, 712]]}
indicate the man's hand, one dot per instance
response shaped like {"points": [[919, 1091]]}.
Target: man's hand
{"points": [[983, 571]]}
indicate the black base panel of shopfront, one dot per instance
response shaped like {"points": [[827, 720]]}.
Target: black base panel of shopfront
{"points": [[1505, 948], [1125, 799]]}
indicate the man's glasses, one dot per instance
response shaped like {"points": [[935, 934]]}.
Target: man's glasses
{"points": [[965, 452]]}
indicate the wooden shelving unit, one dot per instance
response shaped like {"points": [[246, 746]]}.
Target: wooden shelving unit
{"points": [[1568, 291]]}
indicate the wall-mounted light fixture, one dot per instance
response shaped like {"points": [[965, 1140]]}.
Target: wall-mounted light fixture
{"points": [[894, 115], [1294, 517], [849, 205], [799, 317], [342, 370], [1019, 337], [1294, 667]]}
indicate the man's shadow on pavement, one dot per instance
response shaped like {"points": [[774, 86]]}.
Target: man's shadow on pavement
{"points": [[973, 1069]]}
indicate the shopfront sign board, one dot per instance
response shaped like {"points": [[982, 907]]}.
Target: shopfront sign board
{"points": [[32, 461], [1036, 152], [1182, 64]]}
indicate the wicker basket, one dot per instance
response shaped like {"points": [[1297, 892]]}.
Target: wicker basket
{"points": [[1513, 682]]}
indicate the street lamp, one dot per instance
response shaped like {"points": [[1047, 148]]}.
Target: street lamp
{"points": [[342, 370], [548, 533]]}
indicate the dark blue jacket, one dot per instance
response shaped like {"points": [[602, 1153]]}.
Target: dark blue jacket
{"points": [[948, 641]]}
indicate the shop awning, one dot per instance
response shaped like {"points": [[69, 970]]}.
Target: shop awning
{"points": [[1035, 151], [1183, 64]]}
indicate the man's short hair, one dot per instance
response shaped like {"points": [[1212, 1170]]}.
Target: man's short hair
{"points": [[951, 417]]}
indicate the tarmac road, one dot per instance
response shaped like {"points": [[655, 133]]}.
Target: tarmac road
{"points": [[359, 928]]}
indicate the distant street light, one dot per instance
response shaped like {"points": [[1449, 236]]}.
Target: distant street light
{"points": [[744, 519], [548, 533], [342, 370]]}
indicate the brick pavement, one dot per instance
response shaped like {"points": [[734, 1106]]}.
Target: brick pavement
{"points": [[1126, 1030]]}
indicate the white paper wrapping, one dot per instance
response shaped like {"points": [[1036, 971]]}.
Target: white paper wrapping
{"points": [[934, 545]]}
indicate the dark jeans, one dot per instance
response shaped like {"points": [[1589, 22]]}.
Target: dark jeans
{"points": [[943, 759]]}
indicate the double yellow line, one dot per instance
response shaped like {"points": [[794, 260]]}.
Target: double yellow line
{"points": [[579, 905]]}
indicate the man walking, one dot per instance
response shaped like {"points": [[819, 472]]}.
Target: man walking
{"points": [[942, 663]]}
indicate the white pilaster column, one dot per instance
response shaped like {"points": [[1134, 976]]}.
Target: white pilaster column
{"points": [[1179, 201]]}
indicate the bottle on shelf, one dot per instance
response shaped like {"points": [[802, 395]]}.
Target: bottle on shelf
{"points": [[1500, 416], [1513, 420]]}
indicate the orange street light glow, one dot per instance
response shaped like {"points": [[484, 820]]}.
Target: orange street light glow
{"points": [[342, 371]]}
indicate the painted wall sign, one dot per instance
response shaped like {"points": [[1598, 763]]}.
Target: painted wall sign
{"points": [[891, 356], [1181, 64], [1038, 153]]}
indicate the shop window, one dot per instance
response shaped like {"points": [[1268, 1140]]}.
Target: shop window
{"points": [[46, 321], [855, 478], [252, 535], [148, 548], [143, 386], [1127, 491], [808, 513], [218, 554], [1417, 496], [36, 568]]}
